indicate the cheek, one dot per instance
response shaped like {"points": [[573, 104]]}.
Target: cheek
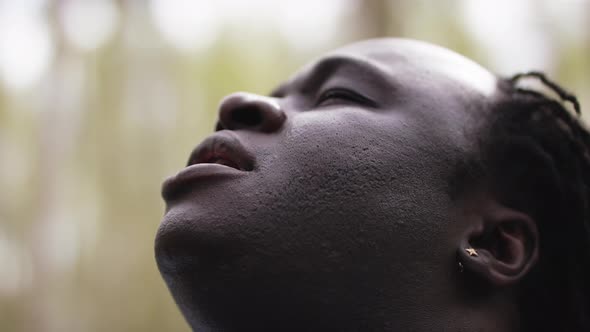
{"points": [[358, 168], [352, 150], [330, 153]]}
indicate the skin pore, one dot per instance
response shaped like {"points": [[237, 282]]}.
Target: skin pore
{"points": [[337, 212]]}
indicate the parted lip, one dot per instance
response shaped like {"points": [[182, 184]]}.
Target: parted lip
{"points": [[221, 154], [222, 148]]}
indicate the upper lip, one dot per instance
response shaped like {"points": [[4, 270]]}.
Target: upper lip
{"points": [[223, 148]]}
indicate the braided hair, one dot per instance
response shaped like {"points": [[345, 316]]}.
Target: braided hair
{"points": [[536, 153]]}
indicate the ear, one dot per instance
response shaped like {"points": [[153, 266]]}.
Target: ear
{"points": [[502, 246]]}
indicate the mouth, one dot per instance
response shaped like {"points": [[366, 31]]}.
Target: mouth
{"points": [[222, 148], [220, 155]]}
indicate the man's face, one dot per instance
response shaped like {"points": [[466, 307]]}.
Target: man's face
{"points": [[328, 198]]}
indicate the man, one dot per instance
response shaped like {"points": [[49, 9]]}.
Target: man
{"points": [[391, 185]]}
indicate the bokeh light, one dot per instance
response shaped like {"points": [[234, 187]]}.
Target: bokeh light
{"points": [[187, 24], [89, 24], [26, 46]]}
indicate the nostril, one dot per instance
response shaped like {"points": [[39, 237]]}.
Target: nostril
{"points": [[247, 117], [250, 112]]}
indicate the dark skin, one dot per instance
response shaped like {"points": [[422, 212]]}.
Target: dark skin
{"points": [[327, 207]]}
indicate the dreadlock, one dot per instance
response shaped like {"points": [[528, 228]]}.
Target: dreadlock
{"points": [[564, 95], [537, 155]]}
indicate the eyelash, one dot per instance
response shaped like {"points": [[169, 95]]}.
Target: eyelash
{"points": [[344, 95]]}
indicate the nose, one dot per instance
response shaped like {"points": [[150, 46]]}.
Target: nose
{"points": [[249, 111]]}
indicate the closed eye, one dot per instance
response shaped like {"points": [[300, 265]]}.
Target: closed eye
{"points": [[336, 96]]}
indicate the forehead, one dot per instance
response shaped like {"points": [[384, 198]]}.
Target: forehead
{"points": [[402, 60]]}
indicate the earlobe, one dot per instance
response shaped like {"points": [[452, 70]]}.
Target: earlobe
{"points": [[502, 247]]}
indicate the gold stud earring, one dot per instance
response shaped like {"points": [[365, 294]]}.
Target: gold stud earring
{"points": [[461, 268], [472, 252]]}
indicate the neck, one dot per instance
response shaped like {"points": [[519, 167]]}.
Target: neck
{"points": [[426, 318]]}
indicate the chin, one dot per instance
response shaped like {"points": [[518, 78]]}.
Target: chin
{"points": [[186, 246], [225, 277]]}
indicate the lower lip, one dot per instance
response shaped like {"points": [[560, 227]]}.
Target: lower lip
{"points": [[192, 173]]}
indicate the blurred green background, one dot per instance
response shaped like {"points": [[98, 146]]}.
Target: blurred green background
{"points": [[100, 100]]}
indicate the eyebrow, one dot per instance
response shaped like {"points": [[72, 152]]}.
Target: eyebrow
{"points": [[324, 69]]}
